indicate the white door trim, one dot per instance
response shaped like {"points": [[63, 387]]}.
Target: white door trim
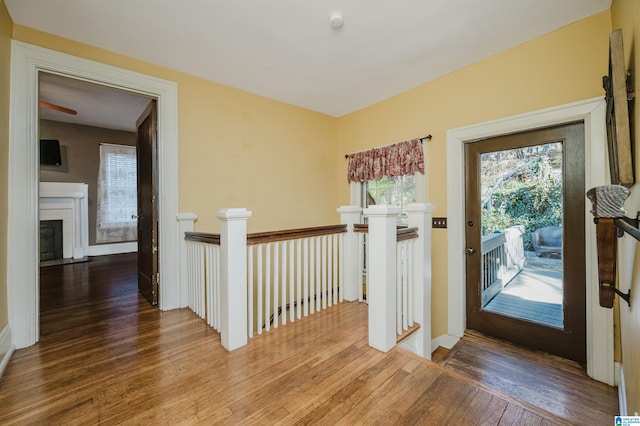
{"points": [[22, 245], [600, 365]]}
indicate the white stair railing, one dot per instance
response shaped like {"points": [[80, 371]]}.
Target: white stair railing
{"points": [[399, 277], [203, 277], [246, 284], [293, 273]]}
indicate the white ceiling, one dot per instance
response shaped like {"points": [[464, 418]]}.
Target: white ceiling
{"points": [[286, 49], [96, 105]]}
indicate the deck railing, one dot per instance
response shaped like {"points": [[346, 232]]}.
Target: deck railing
{"points": [[503, 258], [243, 284]]}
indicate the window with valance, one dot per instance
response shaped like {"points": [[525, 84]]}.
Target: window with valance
{"points": [[403, 158], [388, 174]]}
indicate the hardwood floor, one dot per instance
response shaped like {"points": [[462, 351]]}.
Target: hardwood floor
{"points": [[554, 384], [107, 357]]}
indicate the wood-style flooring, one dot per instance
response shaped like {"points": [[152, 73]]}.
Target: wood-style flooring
{"points": [[557, 385], [107, 357]]}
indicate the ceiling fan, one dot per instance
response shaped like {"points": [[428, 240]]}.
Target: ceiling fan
{"points": [[57, 108]]}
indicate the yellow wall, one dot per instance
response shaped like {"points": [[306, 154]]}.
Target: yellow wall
{"points": [[238, 149], [563, 66], [625, 14], [287, 164], [6, 27]]}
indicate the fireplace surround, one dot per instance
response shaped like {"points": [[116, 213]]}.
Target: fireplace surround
{"points": [[67, 202]]}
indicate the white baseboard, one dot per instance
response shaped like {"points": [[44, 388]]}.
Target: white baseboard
{"points": [[116, 248], [6, 348], [446, 341], [622, 392]]}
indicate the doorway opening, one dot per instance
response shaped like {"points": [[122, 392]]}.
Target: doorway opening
{"points": [[600, 363], [96, 135], [522, 193], [521, 227], [23, 230]]}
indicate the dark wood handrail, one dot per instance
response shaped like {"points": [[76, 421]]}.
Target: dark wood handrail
{"points": [[202, 237], [404, 233], [292, 234], [407, 234], [362, 228]]}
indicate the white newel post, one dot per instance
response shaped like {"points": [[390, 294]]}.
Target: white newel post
{"points": [[186, 223], [233, 277], [420, 217], [350, 215], [382, 276]]}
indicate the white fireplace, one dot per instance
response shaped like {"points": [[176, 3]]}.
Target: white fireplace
{"points": [[67, 202]]}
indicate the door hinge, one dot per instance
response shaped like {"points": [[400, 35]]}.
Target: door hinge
{"points": [[156, 278]]}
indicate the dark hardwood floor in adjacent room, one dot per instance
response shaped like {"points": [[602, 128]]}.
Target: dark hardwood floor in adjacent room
{"points": [[107, 357], [84, 295]]}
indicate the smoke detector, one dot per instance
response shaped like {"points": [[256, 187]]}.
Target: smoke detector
{"points": [[336, 20]]}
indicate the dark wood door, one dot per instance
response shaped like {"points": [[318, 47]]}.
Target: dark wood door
{"points": [[536, 260], [148, 204]]}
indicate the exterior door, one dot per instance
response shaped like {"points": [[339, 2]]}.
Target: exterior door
{"points": [[148, 204], [525, 221]]}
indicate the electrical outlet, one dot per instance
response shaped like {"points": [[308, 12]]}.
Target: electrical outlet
{"points": [[439, 222]]}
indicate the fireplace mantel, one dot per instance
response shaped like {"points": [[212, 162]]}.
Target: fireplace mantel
{"points": [[67, 202]]}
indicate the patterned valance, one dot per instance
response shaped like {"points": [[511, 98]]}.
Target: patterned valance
{"points": [[403, 158]]}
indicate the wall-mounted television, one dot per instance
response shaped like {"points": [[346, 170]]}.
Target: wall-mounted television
{"points": [[50, 152]]}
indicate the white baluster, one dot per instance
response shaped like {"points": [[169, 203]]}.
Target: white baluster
{"points": [[250, 290], [323, 265], [405, 285], [267, 287], [334, 252], [399, 288], [208, 280], [299, 277], [190, 260], [276, 282], [260, 289], [341, 285], [306, 277], [361, 254], [283, 293], [318, 290], [291, 281], [200, 301], [411, 281], [312, 257], [216, 275]]}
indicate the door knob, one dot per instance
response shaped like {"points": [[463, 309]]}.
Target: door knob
{"points": [[135, 216], [469, 251]]}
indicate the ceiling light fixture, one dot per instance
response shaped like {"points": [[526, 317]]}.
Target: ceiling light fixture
{"points": [[336, 20]]}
